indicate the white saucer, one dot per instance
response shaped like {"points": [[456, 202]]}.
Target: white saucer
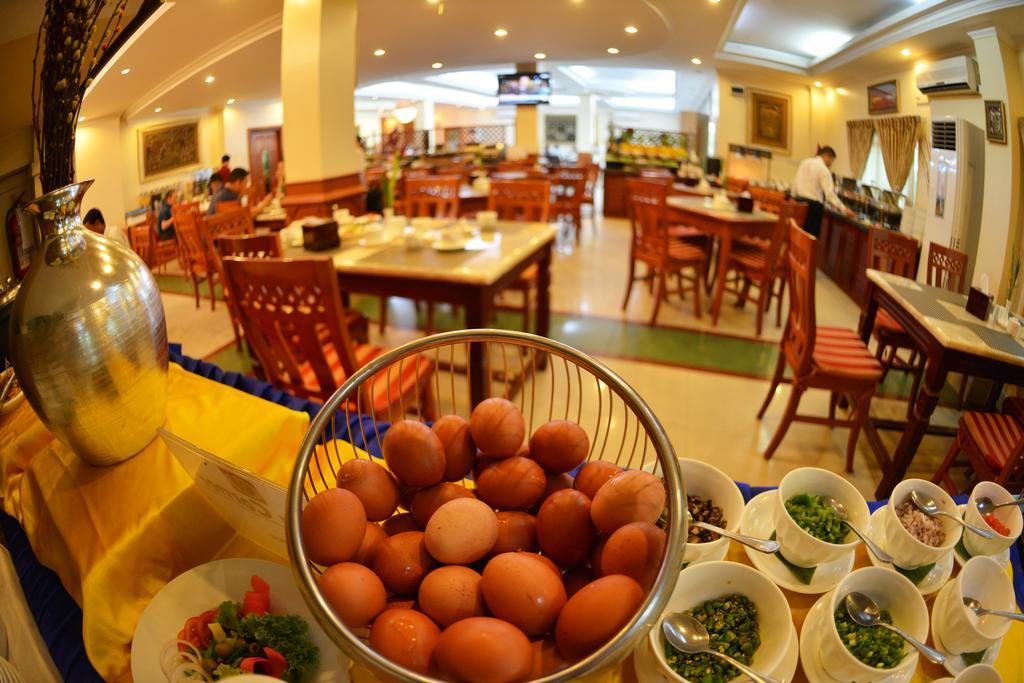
{"points": [[1002, 558], [934, 580], [955, 663], [810, 644], [449, 246], [645, 662], [716, 556], [758, 521]]}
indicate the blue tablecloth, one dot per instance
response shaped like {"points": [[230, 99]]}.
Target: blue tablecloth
{"points": [[59, 617]]}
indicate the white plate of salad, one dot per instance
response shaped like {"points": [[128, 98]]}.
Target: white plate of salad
{"points": [[232, 617]]}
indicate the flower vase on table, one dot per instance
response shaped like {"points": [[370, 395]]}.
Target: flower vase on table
{"points": [[88, 336]]}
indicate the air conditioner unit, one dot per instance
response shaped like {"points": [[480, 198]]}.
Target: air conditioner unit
{"points": [[953, 75]]}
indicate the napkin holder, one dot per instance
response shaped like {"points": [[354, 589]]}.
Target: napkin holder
{"points": [[979, 304], [745, 204], [320, 234]]}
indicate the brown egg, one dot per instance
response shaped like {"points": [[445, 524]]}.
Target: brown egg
{"points": [[559, 446], [333, 524], [402, 561], [400, 523], [354, 593], [556, 482], [406, 637], [547, 561], [484, 650], [449, 594], [546, 659], [596, 555], [516, 531], [511, 484], [374, 486], [459, 449], [595, 614], [523, 591], [564, 530], [372, 539], [635, 550], [461, 531], [497, 427], [594, 475], [633, 496], [577, 578], [426, 502], [414, 453]]}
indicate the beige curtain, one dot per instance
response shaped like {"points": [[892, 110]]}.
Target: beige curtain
{"points": [[858, 138], [897, 138]]}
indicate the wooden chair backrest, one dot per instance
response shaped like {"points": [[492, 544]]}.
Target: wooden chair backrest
{"points": [[736, 184], [788, 210], [647, 213], [520, 200], [511, 166], [190, 240], [947, 268], [433, 196], [265, 245], [141, 239], [798, 337], [893, 253], [290, 309], [227, 206], [568, 189], [768, 200], [234, 222]]}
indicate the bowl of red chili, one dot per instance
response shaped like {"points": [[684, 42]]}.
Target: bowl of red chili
{"points": [[1006, 522]]}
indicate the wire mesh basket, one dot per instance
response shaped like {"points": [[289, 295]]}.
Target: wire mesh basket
{"points": [[546, 380]]}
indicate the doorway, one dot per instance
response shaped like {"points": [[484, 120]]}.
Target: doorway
{"points": [[264, 156]]}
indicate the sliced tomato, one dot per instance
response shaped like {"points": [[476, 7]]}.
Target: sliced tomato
{"points": [[256, 601], [274, 664], [197, 633]]}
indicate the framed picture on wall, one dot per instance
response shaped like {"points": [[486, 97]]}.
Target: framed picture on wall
{"points": [[769, 120], [170, 148], [884, 98], [995, 121]]}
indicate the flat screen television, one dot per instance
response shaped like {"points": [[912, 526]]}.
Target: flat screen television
{"points": [[524, 88]]}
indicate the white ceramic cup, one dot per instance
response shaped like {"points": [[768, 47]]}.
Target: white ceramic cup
{"points": [[421, 223], [901, 544], [959, 629], [487, 220], [395, 222], [894, 593], [1010, 516], [711, 483], [979, 673], [800, 547]]}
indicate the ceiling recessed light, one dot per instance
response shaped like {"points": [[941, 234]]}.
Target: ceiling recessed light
{"points": [[905, 52], [379, 52], [125, 71], [613, 50], [231, 100], [209, 79], [539, 55], [714, 2], [631, 29], [817, 84], [696, 60], [436, 65], [501, 33], [842, 91], [158, 110]]}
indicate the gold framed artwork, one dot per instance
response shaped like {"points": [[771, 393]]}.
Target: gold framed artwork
{"points": [[769, 124], [884, 98], [995, 121], [170, 148]]}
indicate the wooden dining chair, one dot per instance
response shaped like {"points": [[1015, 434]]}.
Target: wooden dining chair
{"points": [[141, 238], [568, 188], [895, 253], [266, 245], [433, 196], [947, 268], [237, 221], [163, 251], [593, 170], [196, 258], [994, 445], [830, 358], [227, 206], [520, 200], [294, 320], [736, 185], [653, 246]]}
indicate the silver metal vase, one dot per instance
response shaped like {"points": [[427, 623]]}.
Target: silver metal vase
{"points": [[88, 336]]}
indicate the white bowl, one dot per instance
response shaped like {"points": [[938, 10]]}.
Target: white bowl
{"points": [[893, 592], [1010, 516], [961, 630], [901, 544], [800, 547], [708, 482], [979, 673], [702, 582]]}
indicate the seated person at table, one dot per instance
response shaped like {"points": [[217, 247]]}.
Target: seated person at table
{"points": [[164, 221], [215, 184], [94, 221], [233, 190]]}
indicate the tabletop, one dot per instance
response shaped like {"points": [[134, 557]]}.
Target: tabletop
{"points": [[944, 315], [484, 260], [692, 190], [697, 205]]}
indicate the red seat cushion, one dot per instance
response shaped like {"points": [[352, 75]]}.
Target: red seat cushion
{"points": [[749, 260], [995, 435], [840, 352], [1014, 407], [384, 392], [684, 251], [885, 323], [741, 243]]}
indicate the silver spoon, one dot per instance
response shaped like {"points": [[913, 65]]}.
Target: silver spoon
{"points": [[6, 387], [928, 506], [863, 610], [975, 606], [689, 636], [986, 505], [755, 543], [844, 516]]}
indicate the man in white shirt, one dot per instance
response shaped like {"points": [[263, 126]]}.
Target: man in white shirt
{"points": [[813, 186]]}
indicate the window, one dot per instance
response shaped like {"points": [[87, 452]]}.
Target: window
{"points": [[874, 172]]}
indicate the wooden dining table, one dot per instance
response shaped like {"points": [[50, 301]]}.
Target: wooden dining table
{"points": [[471, 200], [726, 225], [470, 277], [952, 340]]}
